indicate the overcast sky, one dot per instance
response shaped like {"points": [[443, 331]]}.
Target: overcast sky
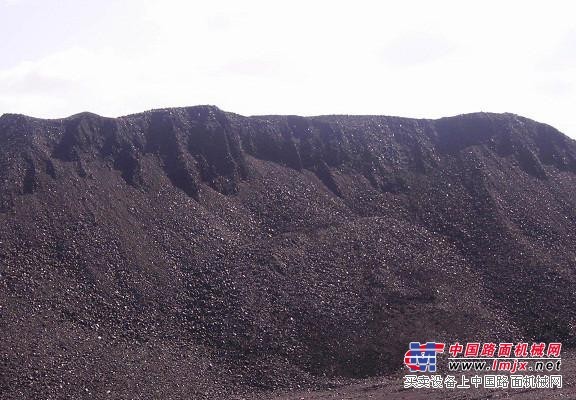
{"points": [[409, 58]]}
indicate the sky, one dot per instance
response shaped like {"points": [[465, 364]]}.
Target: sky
{"points": [[411, 58]]}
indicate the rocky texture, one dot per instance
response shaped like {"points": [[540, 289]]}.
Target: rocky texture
{"points": [[391, 387], [194, 253]]}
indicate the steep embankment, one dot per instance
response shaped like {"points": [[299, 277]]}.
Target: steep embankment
{"points": [[190, 253]]}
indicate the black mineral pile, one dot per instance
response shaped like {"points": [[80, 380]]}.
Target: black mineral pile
{"points": [[193, 253]]}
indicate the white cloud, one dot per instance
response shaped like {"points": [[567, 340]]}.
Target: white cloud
{"points": [[416, 49], [410, 58]]}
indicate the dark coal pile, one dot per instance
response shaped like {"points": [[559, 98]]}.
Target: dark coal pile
{"points": [[192, 253]]}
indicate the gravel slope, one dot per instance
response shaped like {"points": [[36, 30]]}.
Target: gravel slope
{"points": [[193, 253]]}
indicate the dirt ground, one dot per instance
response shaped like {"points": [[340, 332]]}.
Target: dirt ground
{"points": [[392, 388]]}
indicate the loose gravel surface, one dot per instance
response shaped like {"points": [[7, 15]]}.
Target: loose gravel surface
{"points": [[392, 387], [197, 254]]}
